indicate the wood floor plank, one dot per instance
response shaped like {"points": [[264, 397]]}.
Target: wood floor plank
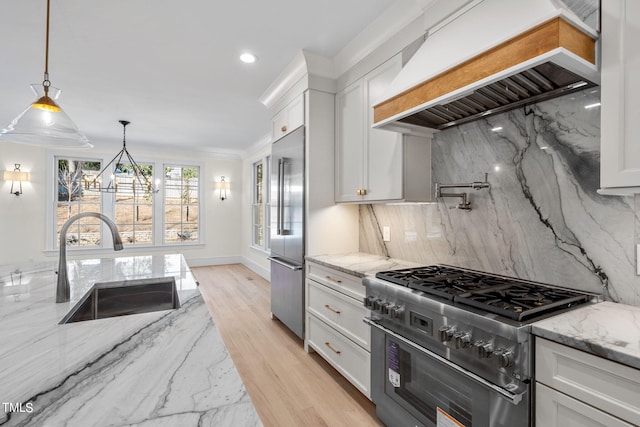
{"points": [[287, 386]]}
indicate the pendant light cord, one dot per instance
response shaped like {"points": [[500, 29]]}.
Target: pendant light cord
{"points": [[46, 83]]}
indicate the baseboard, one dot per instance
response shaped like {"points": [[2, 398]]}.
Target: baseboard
{"points": [[261, 271]]}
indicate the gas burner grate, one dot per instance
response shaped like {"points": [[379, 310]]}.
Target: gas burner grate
{"points": [[509, 297]]}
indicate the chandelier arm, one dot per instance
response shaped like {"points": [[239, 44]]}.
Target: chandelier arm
{"points": [[137, 170]]}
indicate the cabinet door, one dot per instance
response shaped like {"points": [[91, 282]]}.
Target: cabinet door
{"points": [[349, 143], [620, 144], [383, 162], [288, 119], [555, 409]]}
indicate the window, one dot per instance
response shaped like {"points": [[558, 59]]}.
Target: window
{"points": [[134, 204], [76, 192], [144, 218], [260, 205], [181, 204]]}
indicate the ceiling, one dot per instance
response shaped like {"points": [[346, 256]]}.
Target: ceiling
{"points": [[169, 67]]}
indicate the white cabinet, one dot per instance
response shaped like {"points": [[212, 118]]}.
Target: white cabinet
{"points": [[334, 323], [374, 164], [288, 119], [574, 388], [620, 86]]}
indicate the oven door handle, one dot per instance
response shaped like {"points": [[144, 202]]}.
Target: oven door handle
{"points": [[514, 398]]}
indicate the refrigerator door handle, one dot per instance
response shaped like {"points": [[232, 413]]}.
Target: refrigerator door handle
{"points": [[294, 267], [279, 198]]}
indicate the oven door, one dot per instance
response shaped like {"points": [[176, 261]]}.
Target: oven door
{"points": [[412, 386]]}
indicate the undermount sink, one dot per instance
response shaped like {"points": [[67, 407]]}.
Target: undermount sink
{"points": [[124, 297]]}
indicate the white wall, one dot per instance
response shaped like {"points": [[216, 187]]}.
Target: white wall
{"points": [[23, 218]]}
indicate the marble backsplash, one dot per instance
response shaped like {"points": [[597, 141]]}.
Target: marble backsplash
{"points": [[542, 218]]}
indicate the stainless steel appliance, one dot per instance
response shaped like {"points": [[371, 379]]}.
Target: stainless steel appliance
{"points": [[287, 231], [453, 346]]}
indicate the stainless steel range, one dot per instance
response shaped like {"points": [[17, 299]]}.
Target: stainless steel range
{"points": [[452, 347]]}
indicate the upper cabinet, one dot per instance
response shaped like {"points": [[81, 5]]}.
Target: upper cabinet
{"points": [[620, 145], [288, 119], [372, 164]]}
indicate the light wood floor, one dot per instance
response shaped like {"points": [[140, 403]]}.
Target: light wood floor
{"points": [[288, 386]]}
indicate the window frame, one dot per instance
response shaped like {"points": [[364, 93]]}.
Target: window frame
{"points": [[266, 202], [108, 205]]}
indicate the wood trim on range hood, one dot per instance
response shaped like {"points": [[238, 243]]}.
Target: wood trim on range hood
{"points": [[554, 35]]}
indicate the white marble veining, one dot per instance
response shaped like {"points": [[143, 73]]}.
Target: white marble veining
{"points": [[359, 264], [161, 368], [606, 329], [542, 218]]}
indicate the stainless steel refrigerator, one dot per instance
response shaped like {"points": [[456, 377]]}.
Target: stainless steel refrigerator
{"points": [[287, 231]]}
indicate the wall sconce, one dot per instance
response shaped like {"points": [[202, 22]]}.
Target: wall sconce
{"points": [[223, 186], [16, 175]]}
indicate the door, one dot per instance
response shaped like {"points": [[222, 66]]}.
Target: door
{"points": [[287, 197], [287, 295]]}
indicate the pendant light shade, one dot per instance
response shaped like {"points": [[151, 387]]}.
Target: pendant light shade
{"points": [[44, 123]]}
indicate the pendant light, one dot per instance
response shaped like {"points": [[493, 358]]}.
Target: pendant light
{"points": [[44, 123], [132, 168]]}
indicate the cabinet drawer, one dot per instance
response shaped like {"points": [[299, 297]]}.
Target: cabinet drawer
{"points": [[557, 409], [341, 282], [609, 386], [340, 312], [348, 358]]}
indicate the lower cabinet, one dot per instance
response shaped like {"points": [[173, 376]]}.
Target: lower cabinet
{"points": [[575, 388], [335, 329]]}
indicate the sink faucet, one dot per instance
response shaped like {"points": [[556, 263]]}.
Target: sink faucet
{"points": [[63, 292]]}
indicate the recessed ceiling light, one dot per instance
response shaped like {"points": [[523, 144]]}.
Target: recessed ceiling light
{"points": [[248, 58]]}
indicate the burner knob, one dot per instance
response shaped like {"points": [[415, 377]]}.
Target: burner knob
{"points": [[462, 339], [446, 333], [504, 357], [384, 307], [483, 349], [368, 301], [396, 312], [376, 303]]}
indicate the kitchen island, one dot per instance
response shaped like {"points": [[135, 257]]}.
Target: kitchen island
{"points": [[160, 368]]}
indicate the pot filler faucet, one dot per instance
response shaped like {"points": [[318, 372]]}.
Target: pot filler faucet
{"points": [[464, 202], [63, 292]]}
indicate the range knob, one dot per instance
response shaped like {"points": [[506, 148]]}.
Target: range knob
{"points": [[462, 339], [368, 301], [504, 357], [376, 304], [396, 312], [483, 349], [385, 307], [445, 333]]}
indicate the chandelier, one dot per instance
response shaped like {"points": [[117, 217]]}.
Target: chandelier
{"points": [[127, 176]]}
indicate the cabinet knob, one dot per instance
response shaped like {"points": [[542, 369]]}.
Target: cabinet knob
{"points": [[283, 128]]}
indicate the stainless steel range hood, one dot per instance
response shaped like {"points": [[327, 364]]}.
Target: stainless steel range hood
{"points": [[494, 56]]}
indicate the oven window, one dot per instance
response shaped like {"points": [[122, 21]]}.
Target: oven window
{"points": [[422, 385]]}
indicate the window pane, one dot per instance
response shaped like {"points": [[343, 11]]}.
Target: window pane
{"points": [[181, 211], [134, 200], [77, 192]]}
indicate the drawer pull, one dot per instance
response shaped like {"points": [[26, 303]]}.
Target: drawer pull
{"points": [[333, 280], [328, 307], [328, 344], [283, 128]]}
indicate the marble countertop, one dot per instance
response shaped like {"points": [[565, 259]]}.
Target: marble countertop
{"points": [[606, 329], [161, 368], [360, 264]]}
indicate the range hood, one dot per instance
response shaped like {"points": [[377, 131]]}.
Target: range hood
{"points": [[491, 57]]}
